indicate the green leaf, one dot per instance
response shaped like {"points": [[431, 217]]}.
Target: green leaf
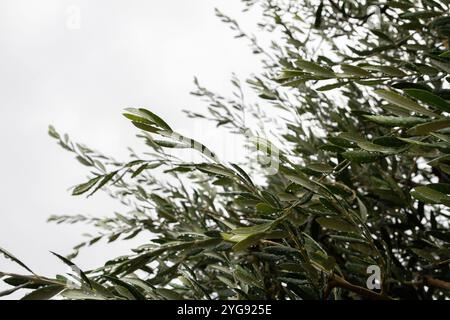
{"points": [[85, 187], [247, 242], [426, 128], [148, 117], [268, 95], [156, 119], [441, 21], [190, 143], [13, 258], [318, 16], [423, 14], [170, 144], [370, 82], [233, 237], [438, 160], [253, 229], [442, 137], [246, 276], [363, 248], [243, 174], [34, 281], [139, 170], [433, 193], [341, 142], [74, 267], [368, 146], [392, 121], [347, 239], [317, 254], [146, 127], [303, 181], [77, 294], [381, 35], [404, 5], [353, 137], [418, 142], [84, 161], [136, 294], [9, 291], [320, 167], [424, 254], [137, 119], [265, 208], [360, 156], [446, 54], [336, 224], [355, 71], [331, 86], [275, 234], [442, 65], [169, 294], [44, 293], [429, 98], [391, 71], [298, 219], [362, 210], [294, 83], [216, 170], [106, 178], [389, 141], [404, 102], [52, 132], [291, 73], [314, 68]]}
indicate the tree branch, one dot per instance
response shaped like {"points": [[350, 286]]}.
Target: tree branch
{"points": [[432, 282], [337, 281]]}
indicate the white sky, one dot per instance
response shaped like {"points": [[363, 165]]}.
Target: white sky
{"points": [[125, 54]]}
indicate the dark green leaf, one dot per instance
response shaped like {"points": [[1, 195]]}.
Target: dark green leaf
{"points": [[404, 102], [391, 121], [314, 68], [13, 258], [426, 128], [74, 267], [360, 156], [85, 187], [336, 224], [429, 98], [44, 293]]}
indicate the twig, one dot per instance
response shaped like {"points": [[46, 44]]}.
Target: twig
{"points": [[433, 282], [337, 281]]}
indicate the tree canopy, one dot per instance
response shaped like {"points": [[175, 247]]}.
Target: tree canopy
{"points": [[352, 131]]}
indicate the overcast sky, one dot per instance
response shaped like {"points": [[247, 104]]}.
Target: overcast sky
{"points": [[79, 74]]}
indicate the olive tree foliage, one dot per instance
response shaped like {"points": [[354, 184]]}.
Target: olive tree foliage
{"points": [[356, 177]]}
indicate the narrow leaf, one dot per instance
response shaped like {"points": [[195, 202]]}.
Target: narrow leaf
{"points": [[336, 224], [426, 128], [429, 98], [13, 258], [404, 102], [44, 293]]}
